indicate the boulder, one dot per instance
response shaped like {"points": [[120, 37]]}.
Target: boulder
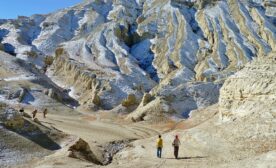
{"points": [[18, 94], [13, 95], [12, 119], [153, 111], [81, 150]]}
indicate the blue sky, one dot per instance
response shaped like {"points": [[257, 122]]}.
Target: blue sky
{"points": [[10, 9]]}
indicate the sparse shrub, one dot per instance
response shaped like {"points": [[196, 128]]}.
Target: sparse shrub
{"points": [[98, 2], [2, 105], [97, 100], [130, 101], [146, 99], [47, 24], [16, 25], [15, 123], [48, 60], [59, 51], [140, 19], [31, 54]]}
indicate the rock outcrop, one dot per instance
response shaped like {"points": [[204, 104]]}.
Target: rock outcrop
{"points": [[156, 110], [188, 96], [23, 82], [271, 7], [12, 119], [81, 150], [18, 94], [251, 90]]}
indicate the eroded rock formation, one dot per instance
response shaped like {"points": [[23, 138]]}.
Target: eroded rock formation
{"points": [[107, 50], [251, 90]]}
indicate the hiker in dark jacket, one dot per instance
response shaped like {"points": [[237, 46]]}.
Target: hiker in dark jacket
{"points": [[45, 113], [34, 113], [176, 144]]}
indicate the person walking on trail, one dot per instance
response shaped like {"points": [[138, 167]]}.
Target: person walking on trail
{"points": [[159, 146], [176, 144], [34, 113], [45, 113]]}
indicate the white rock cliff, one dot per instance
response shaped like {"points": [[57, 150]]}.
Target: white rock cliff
{"points": [[107, 50]]}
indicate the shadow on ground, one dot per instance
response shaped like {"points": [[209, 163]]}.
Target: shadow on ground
{"points": [[187, 158], [38, 136]]}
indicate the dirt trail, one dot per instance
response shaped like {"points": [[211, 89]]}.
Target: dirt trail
{"points": [[97, 131]]}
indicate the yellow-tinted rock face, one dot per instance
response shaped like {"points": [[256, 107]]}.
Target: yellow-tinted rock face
{"points": [[251, 90], [97, 100], [130, 101], [15, 123], [85, 82]]}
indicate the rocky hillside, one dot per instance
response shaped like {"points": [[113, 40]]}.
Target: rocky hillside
{"points": [[111, 53]]}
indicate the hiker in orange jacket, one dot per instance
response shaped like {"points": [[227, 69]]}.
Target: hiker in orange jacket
{"points": [[159, 146]]}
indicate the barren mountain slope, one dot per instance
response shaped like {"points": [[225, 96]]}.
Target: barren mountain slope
{"points": [[108, 50]]}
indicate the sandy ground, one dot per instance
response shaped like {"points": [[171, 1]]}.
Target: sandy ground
{"points": [[96, 129], [101, 128], [204, 142]]}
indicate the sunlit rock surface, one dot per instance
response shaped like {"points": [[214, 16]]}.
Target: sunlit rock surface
{"points": [[250, 91], [116, 48]]}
